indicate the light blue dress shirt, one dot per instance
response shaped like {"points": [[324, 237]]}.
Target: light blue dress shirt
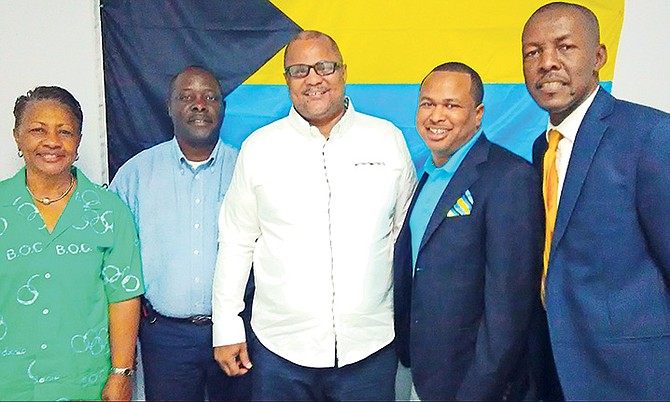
{"points": [[175, 208], [437, 181]]}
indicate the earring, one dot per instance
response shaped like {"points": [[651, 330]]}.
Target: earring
{"points": [[20, 153]]}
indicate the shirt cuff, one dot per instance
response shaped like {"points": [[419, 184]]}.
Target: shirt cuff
{"points": [[227, 331]]}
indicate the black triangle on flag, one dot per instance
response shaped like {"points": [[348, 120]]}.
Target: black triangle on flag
{"points": [[146, 42]]}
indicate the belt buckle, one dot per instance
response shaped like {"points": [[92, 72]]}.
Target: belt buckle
{"points": [[200, 319]]}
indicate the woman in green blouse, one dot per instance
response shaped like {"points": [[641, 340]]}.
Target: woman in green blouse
{"points": [[70, 272]]}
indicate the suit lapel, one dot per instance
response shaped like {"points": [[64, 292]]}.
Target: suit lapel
{"points": [[424, 177], [588, 139], [465, 175], [539, 149]]}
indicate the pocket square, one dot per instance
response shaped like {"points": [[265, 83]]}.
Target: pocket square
{"points": [[463, 205]]}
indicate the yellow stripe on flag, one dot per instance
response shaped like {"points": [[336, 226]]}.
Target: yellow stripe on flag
{"points": [[396, 42]]}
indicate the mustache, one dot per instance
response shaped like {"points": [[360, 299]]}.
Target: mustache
{"points": [[551, 77], [315, 89], [200, 116]]}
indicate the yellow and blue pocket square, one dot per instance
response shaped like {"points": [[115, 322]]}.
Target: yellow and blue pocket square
{"points": [[463, 205]]}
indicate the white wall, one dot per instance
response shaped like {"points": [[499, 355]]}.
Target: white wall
{"points": [[46, 42], [642, 70]]}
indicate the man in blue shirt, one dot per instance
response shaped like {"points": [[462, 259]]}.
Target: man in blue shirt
{"points": [[468, 259], [174, 190]]}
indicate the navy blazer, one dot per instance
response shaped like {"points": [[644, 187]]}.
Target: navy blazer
{"points": [[462, 320], [608, 294]]}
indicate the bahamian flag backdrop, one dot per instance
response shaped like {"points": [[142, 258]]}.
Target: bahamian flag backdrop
{"points": [[388, 47]]}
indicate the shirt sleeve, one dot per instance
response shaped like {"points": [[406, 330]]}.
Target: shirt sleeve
{"points": [[122, 266], [238, 230], [120, 184], [406, 186]]}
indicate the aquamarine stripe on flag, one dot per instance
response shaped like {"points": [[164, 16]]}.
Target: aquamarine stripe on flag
{"points": [[511, 117]]}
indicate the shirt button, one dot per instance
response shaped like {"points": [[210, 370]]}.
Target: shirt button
{"points": [[196, 280], [43, 346], [45, 311], [197, 226], [47, 275], [197, 200], [196, 252]]}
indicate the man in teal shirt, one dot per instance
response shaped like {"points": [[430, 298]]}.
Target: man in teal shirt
{"points": [[467, 261]]}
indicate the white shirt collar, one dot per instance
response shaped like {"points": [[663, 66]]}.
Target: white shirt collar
{"points": [[570, 125]]}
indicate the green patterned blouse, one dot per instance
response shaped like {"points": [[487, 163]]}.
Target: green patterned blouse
{"points": [[55, 289]]}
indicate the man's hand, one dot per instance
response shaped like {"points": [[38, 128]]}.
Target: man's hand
{"points": [[118, 388], [233, 359]]}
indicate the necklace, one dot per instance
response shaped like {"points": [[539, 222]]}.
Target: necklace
{"points": [[47, 200]]}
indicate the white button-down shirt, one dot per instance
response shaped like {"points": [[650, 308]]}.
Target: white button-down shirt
{"points": [[319, 218], [568, 129]]}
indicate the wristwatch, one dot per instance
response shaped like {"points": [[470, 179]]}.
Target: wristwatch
{"points": [[127, 371]]}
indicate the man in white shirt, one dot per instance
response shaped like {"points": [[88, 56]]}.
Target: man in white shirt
{"points": [[316, 202]]}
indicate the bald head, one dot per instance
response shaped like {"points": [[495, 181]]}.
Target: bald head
{"points": [[190, 69], [588, 20], [562, 56], [308, 35]]}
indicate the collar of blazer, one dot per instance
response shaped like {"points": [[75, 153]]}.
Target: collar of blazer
{"points": [[588, 139], [465, 175]]}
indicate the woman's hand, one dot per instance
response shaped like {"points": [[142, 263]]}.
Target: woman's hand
{"points": [[118, 388]]}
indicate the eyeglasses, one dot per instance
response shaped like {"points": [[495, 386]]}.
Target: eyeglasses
{"points": [[322, 68]]}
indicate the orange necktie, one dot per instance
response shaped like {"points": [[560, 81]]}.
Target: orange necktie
{"points": [[550, 191]]}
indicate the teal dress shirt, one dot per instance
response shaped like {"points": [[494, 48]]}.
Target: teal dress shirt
{"points": [[429, 195]]}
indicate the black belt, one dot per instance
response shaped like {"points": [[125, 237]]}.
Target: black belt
{"points": [[194, 319], [149, 313]]}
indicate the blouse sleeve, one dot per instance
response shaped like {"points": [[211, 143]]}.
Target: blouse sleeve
{"points": [[122, 266]]}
